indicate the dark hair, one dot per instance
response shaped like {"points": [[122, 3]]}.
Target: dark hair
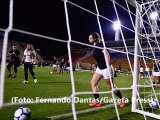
{"points": [[96, 36]]}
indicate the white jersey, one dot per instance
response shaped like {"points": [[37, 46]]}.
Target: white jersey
{"points": [[147, 69], [29, 55], [141, 69]]}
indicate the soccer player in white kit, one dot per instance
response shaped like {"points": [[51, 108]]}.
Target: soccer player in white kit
{"points": [[29, 59], [141, 72]]}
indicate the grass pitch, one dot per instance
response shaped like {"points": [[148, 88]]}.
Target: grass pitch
{"points": [[59, 85]]}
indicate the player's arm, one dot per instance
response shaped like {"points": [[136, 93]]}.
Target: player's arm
{"points": [[34, 57], [18, 54], [107, 56], [23, 57], [9, 53]]}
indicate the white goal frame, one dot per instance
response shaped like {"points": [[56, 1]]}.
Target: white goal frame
{"points": [[135, 94]]}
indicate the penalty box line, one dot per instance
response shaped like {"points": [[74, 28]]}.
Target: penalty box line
{"points": [[80, 112]]}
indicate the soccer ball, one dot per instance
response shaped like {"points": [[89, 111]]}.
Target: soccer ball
{"points": [[153, 104], [22, 113]]}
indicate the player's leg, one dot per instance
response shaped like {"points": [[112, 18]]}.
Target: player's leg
{"points": [[32, 72], [15, 71], [16, 64], [94, 84], [116, 92], [155, 77], [59, 69], [141, 74], [54, 69], [147, 74], [26, 66], [9, 66], [68, 69], [108, 81], [62, 70], [158, 80]]}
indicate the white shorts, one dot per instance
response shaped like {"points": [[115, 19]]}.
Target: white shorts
{"points": [[156, 73], [104, 73], [54, 65], [67, 68]]}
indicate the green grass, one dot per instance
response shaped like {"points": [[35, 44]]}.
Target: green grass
{"points": [[59, 85]]}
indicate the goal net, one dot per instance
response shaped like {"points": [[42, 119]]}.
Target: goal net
{"points": [[134, 52], [146, 45]]}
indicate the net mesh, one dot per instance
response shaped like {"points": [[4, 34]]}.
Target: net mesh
{"points": [[146, 35]]}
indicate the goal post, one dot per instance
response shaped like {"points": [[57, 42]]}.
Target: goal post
{"points": [[4, 52], [135, 92], [136, 106], [136, 60]]}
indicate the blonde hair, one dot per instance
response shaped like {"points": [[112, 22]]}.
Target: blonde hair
{"points": [[29, 45]]}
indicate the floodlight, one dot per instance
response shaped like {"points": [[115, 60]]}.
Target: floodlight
{"points": [[154, 15], [116, 25]]}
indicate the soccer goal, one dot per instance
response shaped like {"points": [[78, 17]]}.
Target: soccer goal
{"points": [[141, 50], [146, 37]]}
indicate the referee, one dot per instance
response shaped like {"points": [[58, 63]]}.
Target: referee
{"points": [[29, 59], [14, 55], [101, 70]]}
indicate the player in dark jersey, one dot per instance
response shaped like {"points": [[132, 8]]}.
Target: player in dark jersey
{"points": [[119, 69], [101, 71], [14, 55], [68, 67], [54, 65]]}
